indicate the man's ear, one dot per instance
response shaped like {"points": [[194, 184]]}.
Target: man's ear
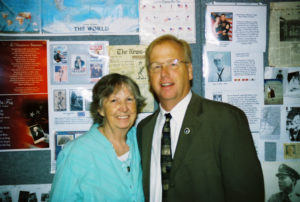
{"points": [[190, 71]]}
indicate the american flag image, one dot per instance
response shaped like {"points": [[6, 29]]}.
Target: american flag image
{"points": [[160, 6], [180, 28], [163, 30], [154, 29], [187, 17], [190, 29], [147, 18], [180, 6], [167, 19], [144, 6], [171, 6], [153, 7], [186, 6], [171, 29]]}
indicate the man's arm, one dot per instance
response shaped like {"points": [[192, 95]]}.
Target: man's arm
{"points": [[241, 169]]}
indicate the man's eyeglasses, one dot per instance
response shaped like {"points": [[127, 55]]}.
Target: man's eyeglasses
{"points": [[156, 67]]}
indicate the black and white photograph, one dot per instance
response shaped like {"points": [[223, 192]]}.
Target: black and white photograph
{"points": [[59, 100], [282, 181], [273, 91], [60, 54], [76, 100], [217, 97], [289, 29], [293, 85], [45, 197], [5, 196], [293, 123], [219, 66], [32, 197], [23, 196], [37, 133], [141, 70], [78, 64]]}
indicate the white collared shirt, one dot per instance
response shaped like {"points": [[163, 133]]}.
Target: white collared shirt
{"points": [[177, 113]]}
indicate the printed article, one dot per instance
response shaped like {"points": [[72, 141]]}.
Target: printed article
{"points": [[130, 60], [235, 28], [250, 102], [225, 70], [24, 123], [284, 34], [74, 69]]}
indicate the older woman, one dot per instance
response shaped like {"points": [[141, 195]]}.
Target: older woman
{"points": [[104, 163]]}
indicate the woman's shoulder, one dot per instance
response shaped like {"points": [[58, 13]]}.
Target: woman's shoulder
{"points": [[84, 142]]}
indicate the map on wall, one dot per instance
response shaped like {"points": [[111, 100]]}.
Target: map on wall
{"points": [[69, 17]]}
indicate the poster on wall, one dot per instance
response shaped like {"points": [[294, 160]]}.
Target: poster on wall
{"points": [[225, 70], [167, 17], [235, 27], [130, 61], [24, 123], [284, 34], [59, 17], [74, 68]]}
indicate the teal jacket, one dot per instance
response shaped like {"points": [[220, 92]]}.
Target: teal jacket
{"points": [[88, 170]]}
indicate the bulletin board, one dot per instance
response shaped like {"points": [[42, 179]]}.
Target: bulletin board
{"points": [[33, 167]]}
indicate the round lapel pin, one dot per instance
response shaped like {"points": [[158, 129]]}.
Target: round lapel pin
{"points": [[187, 131]]}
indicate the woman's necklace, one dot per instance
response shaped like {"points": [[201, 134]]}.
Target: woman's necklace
{"points": [[128, 166]]}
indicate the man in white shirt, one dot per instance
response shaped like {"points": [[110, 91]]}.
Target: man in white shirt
{"points": [[205, 137]]}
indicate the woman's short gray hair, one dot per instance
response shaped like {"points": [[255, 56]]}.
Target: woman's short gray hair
{"points": [[106, 86]]}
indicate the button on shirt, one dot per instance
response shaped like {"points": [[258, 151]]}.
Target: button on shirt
{"points": [[177, 113]]}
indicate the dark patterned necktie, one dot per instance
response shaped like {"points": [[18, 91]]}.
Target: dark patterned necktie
{"points": [[166, 155]]}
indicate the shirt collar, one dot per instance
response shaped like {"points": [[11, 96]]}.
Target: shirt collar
{"points": [[178, 111]]}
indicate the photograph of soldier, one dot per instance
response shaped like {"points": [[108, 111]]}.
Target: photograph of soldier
{"points": [[287, 181], [60, 54], [219, 66], [222, 25], [76, 100], [293, 123], [59, 100]]}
